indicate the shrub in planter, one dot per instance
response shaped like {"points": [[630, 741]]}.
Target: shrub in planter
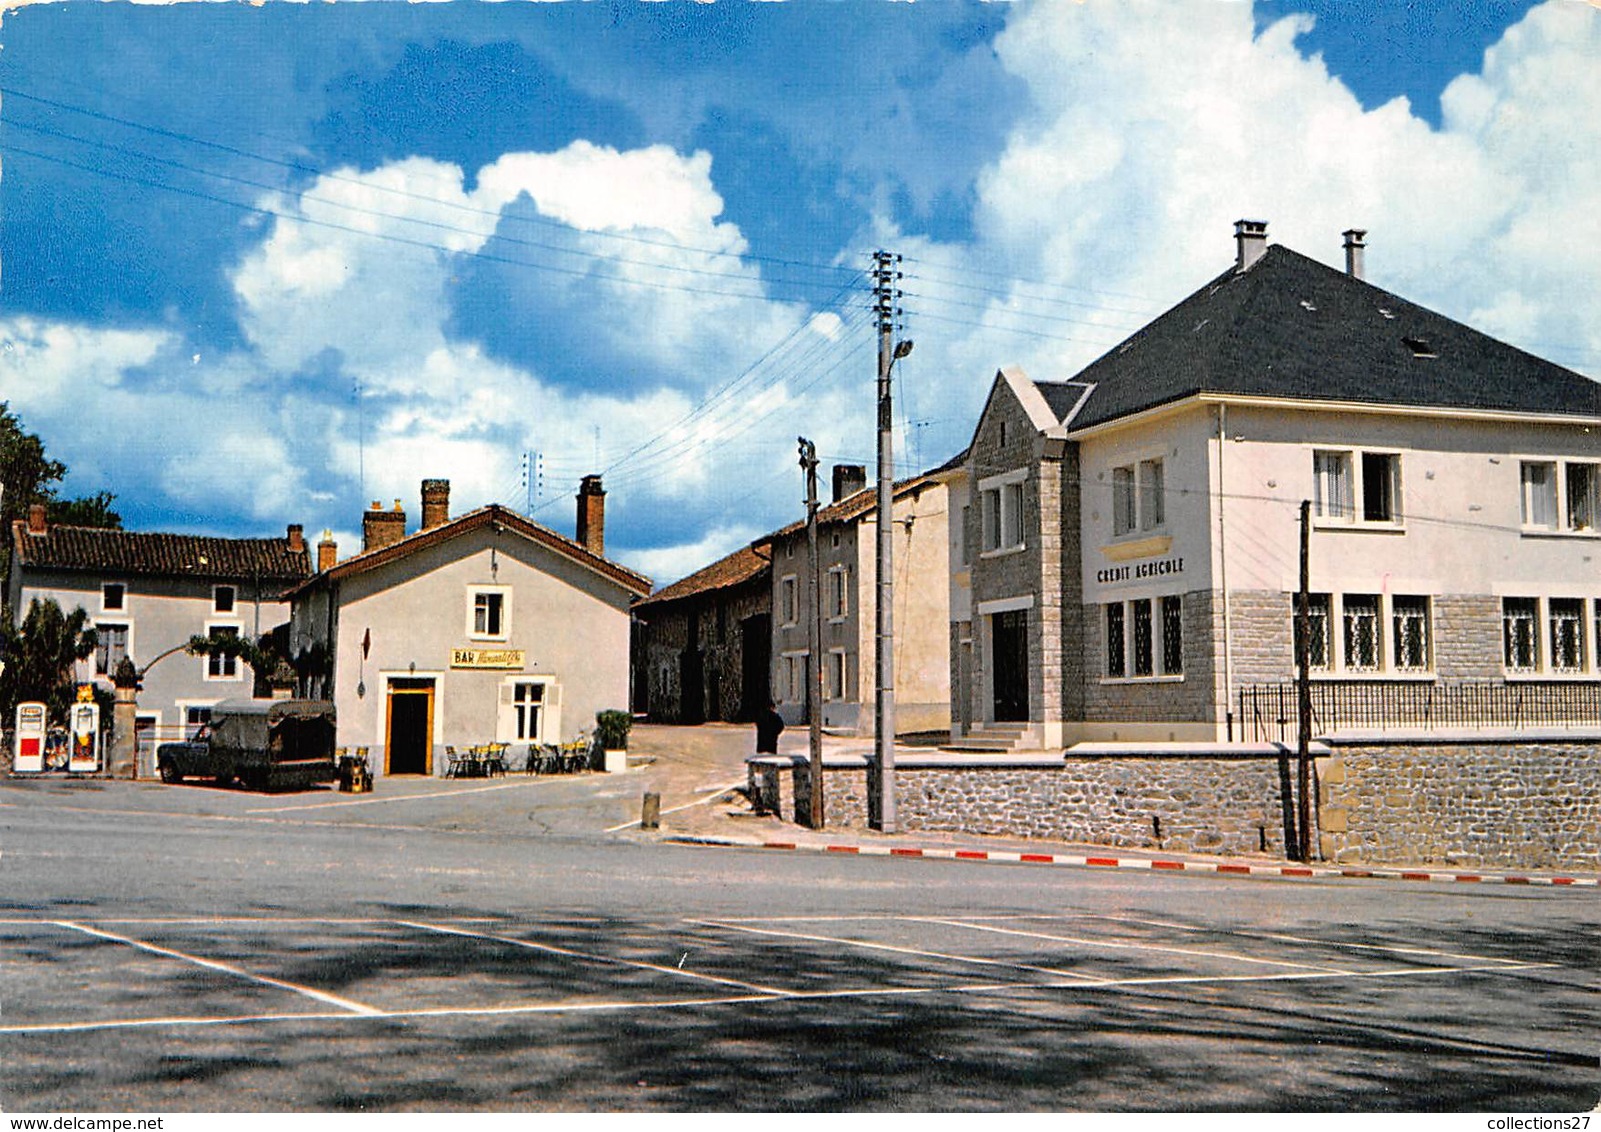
{"points": [[611, 729]]}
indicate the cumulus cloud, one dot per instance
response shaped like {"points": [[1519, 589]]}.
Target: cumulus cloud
{"points": [[1156, 125]]}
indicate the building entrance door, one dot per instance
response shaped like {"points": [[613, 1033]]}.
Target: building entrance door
{"points": [[1009, 655], [410, 729]]}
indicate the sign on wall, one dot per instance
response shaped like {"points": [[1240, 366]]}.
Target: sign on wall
{"points": [[508, 659], [1140, 571]]}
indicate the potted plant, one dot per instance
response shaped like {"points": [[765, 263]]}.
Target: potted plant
{"points": [[611, 736]]}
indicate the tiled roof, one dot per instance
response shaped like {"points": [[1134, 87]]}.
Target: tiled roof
{"points": [[740, 566], [129, 553], [859, 503], [1292, 327], [510, 520]]}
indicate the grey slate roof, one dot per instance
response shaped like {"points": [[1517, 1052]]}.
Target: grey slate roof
{"points": [[99, 551], [1292, 327]]}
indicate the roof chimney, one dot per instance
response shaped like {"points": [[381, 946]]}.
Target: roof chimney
{"points": [[327, 552], [36, 519], [435, 503], [380, 528], [848, 480], [296, 539], [1250, 242], [1355, 242], [592, 515]]}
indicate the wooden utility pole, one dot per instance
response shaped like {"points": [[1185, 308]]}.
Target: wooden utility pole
{"points": [[814, 635], [1303, 687]]}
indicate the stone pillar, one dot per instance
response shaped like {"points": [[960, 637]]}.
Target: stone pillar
{"points": [[124, 757]]}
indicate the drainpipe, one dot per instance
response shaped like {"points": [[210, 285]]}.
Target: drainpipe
{"points": [[1223, 575]]}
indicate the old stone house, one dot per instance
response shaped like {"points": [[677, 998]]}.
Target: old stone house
{"points": [[702, 645], [487, 627], [1131, 539], [847, 538], [147, 593]]}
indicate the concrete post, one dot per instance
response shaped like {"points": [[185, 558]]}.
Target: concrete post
{"points": [[124, 758]]}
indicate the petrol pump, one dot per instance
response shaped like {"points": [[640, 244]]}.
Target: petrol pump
{"points": [[83, 725], [27, 756]]}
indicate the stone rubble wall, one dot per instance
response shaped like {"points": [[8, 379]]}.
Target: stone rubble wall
{"points": [[1523, 805], [1512, 804]]}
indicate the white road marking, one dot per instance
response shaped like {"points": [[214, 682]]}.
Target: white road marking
{"points": [[570, 953], [227, 968], [1117, 945], [689, 1003], [1393, 949], [732, 926], [391, 798], [717, 793]]}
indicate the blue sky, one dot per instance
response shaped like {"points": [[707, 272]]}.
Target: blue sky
{"points": [[263, 265]]}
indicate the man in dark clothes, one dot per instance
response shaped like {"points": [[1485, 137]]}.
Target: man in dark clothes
{"points": [[768, 726]]}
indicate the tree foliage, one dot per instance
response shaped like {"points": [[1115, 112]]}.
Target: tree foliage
{"points": [[40, 657]]}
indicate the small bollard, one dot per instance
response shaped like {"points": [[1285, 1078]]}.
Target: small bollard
{"points": [[650, 816]]}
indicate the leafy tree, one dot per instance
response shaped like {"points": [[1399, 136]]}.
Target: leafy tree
{"points": [[86, 511], [40, 656]]}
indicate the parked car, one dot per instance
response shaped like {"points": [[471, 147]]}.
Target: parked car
{"points": [[265, 744]]}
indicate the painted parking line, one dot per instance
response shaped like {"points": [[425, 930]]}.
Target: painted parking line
{"points": [[553, 949], [1119, 945], [226, 968], [319, 805]]}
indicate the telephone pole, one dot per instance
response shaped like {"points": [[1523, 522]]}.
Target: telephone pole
{"points": [[1303, 687], [814, 635], [881, 801]]}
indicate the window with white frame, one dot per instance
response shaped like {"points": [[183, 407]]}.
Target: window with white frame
{"points": [[221, 666], [1145, 638], [111, 645], [1356, 486], [1001, 512], [113, 597], [488, 613], [1583, 483], [835, 684], [1539, 483], [1333, 496], [224, 598], [1138, 497], [1520, 633], [788, 600], [194, 718], [838, 594], [1363, 637], [527, 710], [1409, 619], [1566, 622]]}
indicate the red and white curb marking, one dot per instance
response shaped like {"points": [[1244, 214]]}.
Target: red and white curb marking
{"points": [[1299, 872]]}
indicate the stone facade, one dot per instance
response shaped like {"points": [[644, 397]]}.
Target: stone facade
{"points": [[1159, 700], [691, 655], [1477, 802]]}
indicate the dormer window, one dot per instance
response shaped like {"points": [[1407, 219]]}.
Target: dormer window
{"points": [[1420, 347]]}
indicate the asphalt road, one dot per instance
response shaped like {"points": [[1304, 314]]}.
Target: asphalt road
{"points": [[488, 946]]}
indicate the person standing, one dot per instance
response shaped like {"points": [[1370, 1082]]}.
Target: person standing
{"points": [[769, 725]]}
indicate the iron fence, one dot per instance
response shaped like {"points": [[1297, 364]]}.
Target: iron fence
{"points": [[1268, 711]]}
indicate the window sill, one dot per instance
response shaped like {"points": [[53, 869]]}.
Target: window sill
{"points": [[1547, 532], [488, 640], [1176, 678], [1376, 677], [1552, 677], [1003, 551], [1363, 525]]}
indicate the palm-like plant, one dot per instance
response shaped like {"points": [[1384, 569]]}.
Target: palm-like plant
{"points": [[41, 655]]}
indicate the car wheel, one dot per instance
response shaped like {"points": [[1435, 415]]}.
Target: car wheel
{"points": [[169, 774]]}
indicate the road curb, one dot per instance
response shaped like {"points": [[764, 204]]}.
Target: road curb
{"points": [[1214, 868]]}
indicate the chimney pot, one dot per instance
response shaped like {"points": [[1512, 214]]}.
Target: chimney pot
{"points": [[435, 503], [37, 524], [1355, 243], [327, 552], [381, 528], [591, 531], [1250, 242]]}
